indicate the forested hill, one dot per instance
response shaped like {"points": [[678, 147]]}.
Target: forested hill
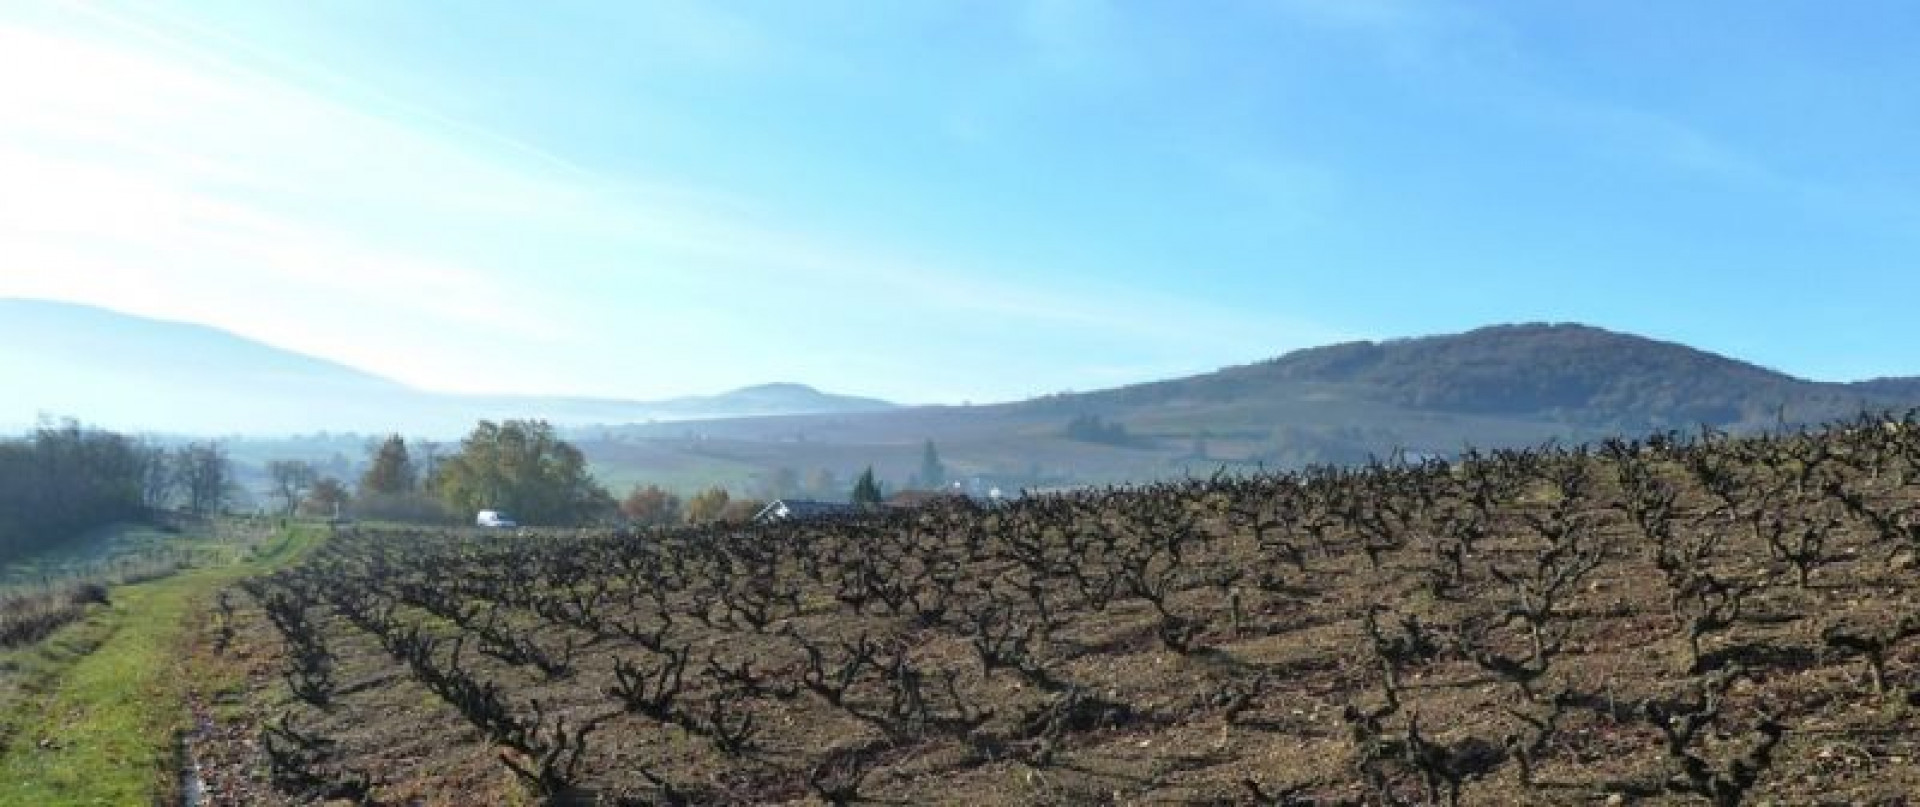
{"points": [[1908, 386], [1566, 373], [1500, 386]]}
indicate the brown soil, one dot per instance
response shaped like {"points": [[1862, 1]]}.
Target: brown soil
{"points": [[1276, 700]]}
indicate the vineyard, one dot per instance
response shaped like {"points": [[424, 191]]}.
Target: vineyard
{"points": [[1682, 619]]}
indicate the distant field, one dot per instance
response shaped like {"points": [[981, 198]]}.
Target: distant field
{"points": [[1025, 445]]}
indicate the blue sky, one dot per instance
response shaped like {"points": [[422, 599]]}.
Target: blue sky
{"points": [[947, 201]]}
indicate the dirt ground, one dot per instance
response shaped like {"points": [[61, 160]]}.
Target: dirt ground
{"points": [[1273, 689]]}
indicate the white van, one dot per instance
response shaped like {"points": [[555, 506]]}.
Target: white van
{"points": [[494, 518]]}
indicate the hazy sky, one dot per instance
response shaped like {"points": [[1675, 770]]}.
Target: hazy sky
{"points": [[942, 201]]}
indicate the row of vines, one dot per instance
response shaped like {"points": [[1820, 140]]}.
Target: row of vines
{"points": [[1686, 618]]}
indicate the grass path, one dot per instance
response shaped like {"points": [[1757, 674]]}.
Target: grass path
{"points": [[100, 729]]}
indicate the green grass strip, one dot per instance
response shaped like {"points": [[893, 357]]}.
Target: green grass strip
{"points": [[104, 733]]}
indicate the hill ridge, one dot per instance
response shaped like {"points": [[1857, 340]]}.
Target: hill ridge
{"points": [[194, 377]]}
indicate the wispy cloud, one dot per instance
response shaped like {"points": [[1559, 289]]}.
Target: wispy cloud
{"points": [[180, 172], [1474, 57], [1648, 136], [217, 52], [160, 186]]}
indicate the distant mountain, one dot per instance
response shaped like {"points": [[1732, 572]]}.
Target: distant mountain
{"points": [[1908, 387], [1506, 385], [129, 372], [1564, 373], [1498, 386], [763, 400], [66, 337], [771, 399], [134, 373]]}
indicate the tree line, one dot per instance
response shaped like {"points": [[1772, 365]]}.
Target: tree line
{"points": [[63, 480], [521, 467], [654, 506]]}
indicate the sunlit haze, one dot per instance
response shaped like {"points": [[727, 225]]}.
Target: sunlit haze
{"points": [[946, 201]]}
